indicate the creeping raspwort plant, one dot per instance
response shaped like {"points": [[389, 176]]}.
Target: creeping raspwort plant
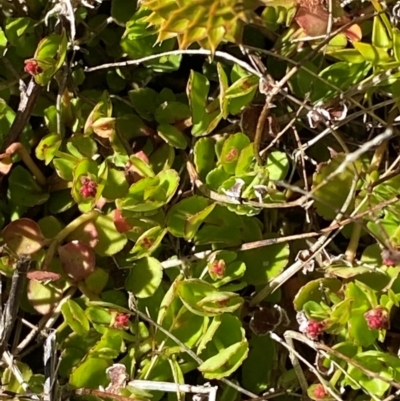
{"points": [[189, 189]]}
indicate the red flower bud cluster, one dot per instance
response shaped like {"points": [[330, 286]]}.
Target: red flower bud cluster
{"points": [[314, 329], [320, 392], [32, 67], [88, 188], [377, 318], [121, 321], [217, 268]]}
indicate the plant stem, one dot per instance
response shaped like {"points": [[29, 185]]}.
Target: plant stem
{"points": [[377, 157], [18, 148], [64, 233], [353, 244]]}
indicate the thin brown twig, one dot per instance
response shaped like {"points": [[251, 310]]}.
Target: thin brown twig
{"points": [[25, 107], [323, 347], [232, 201], [188, 350], [12, 306]]}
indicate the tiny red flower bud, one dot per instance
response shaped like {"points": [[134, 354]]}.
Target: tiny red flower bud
{"points": [[32, 67], [390, 258], [120, 222], [377, 318], [121, 321], [320, 392], [88, 188], [147, 243], [217, 269], [314, 329]]}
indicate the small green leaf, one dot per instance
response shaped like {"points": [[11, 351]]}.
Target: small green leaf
{"points": [[144, 278], [171, 112], [197, 92], [179, 215], [380, 37], [172, 135], [98, 315], [143, 168], [331, 196], [396, 44], [116, 185], [194, 222], [231, 151], [75, 317], [148, 242], [277, 165], [204, 156], [110, 240], [263, 264], [312, 291], [91, 373], [373, 54], [47, 147], [23, 189], [225, 362]]}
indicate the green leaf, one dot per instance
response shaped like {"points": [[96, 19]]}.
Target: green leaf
{"points": [[23, 190], [231, 151], [148, 242], [116, 185], [203, 160], [91, 373], [17, 27], [75, 317], [109, 346], [172, 135], [396, 44], [110, 241], [144, 278], [380, 37], [122, 11], [65, 168], [183, 219], [373, 54], [277, 165], [187, 327], [48, 147], [312, 291], [81, 146], [171, 112], [263, 264], [340, 75], [144, 101], [216, 177], [192, 291], [257, 367], [220, 302], [162, 158], [10, 382], [331, 196], [197, 93], [226, 362]]}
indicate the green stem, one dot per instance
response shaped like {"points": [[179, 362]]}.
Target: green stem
{"points": [[26, 158], [377, 157], [335, 378], [64, 233], [353, 244]]}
